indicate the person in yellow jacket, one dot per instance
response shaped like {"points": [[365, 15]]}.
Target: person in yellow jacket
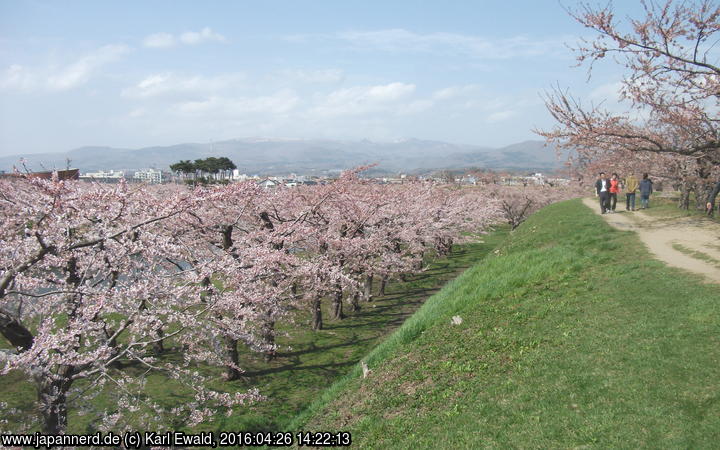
{"points": [[631, 185]]}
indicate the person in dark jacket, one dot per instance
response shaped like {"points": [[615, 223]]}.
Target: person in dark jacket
{"points": [[602, 190], [711, 199], [646, 188]]}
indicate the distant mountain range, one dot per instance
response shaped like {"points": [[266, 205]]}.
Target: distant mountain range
{"points": [[306, 157]]}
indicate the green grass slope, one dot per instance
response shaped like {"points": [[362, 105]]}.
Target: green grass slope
{"points": [[572, 336]]}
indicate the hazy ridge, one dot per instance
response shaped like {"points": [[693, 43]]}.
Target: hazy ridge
{"points": [[278, 156]]}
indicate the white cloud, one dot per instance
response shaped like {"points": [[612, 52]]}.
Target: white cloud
{"points": [[236, 105], [80, 71], [401, 40], [159, 40], [313, 76], [609, 96], [452, 92], [608, 91], [416, 106], [205, 35], [363, 99], [500, 116], [138, 112], [167, 40], [389, 92], [62, 78], [494, 106], [280, 102], [17, 77], [171, 84]]}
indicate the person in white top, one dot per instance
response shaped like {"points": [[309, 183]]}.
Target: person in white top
{"points": [[602, 190]]}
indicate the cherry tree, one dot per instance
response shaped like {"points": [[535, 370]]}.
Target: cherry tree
{"points": [[86, 285], [517, 203], [295, 226], [240, 225], [672, 86], [420, 216], [353, 230]]}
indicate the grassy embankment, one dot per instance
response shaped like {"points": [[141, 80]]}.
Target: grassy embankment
{"points": [[572, 336], [307, 362]]}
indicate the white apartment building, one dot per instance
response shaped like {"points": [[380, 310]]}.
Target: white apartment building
{"points": [[101, 174], [153, 176], [237, 176]]}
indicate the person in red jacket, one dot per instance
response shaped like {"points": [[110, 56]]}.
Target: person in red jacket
{"points": [[614, 191]]}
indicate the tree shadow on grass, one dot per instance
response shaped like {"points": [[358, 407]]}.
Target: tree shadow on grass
{"points": [[299, 366], [380, 324], [312, 348]]}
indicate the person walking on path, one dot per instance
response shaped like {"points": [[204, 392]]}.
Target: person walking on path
{"points": [[711, 199], [646, 188], [631, 185], [614, 191], [602, 190]]}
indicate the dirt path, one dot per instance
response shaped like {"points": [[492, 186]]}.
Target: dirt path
{"points": [[688, 243]]}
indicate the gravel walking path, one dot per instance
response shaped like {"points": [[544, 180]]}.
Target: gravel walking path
{"points": [[690, 243]]}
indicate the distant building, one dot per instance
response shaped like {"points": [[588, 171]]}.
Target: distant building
{"points": [[267, 183], [535, 178], [69, 174], [152, 176], [469, 179], [558, 181], [237, 176], [112, 176]]}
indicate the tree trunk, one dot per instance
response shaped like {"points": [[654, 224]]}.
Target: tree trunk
{"points": [[381, 289], [684, 202], [419, 264], [367, 287], [439, 247], [112, 343], [268, 335], [337, 306], [702, 192], [317, 313], [207, 291], [444, 246], [355, 302], [231, 372], [52, 398], [703, 185], [227, 236], [158, 346]]}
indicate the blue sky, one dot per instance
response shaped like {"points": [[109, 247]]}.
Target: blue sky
{"points": [[133, 74]]}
